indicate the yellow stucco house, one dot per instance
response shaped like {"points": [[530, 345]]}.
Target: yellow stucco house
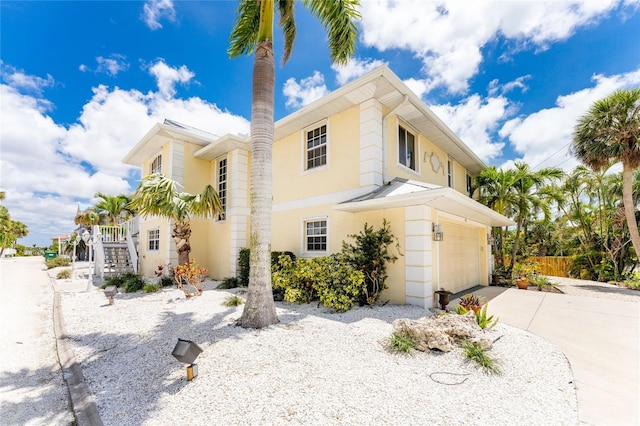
{"points": [[369, 151]]}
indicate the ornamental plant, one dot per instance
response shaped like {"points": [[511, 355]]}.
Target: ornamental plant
{"points": [[189, 277]]}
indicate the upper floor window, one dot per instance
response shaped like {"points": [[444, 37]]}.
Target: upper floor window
{"points": [[406, 148], [156, 165], [222, 186], [469, 186], [316, 147], [153, 240], [450, 173], [316, 235]]}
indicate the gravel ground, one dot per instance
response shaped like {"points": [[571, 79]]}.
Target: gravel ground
{"points": [[577, 287], [312, 368]]}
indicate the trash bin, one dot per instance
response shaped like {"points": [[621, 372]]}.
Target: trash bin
{"points": [[48, 255]]}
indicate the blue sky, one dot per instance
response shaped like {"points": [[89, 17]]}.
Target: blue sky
{"points": [[82, 82]]}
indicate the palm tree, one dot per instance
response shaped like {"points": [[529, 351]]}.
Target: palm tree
{"points": [[86, 218], [609, 132], [158, 195], [113, 207], [531, 195], [12, 230], [253, 33]]}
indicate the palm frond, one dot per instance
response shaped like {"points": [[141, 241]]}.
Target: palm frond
{"points": [[244, 36], [339, 20], [288, 25]]}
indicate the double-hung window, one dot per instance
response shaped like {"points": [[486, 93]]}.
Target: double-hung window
{"points": [[156, 165], [315, 235], [222, 186], [316, 144], [406, 148], [153, 238], [450, 173]]}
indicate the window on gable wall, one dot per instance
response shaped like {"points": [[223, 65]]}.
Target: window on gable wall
{"points": [[222, 186], [316, 147], [316, 235], [153, 240], [156, 165], [406, 148], [450, 173]]}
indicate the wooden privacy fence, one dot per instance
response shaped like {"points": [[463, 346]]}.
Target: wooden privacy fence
{"points": [[557, 266]]}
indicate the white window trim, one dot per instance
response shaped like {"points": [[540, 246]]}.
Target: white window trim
{"points": [[303, 242], [314, 126], [154, 158], [450, 172], [217, 176], [416, 138], [149, 239]]}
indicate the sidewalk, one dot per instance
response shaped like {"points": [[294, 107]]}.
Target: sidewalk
{"points": [[600, 337]]}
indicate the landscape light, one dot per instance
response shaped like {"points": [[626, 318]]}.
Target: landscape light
{"points": [[111, 291], [187, 351]]}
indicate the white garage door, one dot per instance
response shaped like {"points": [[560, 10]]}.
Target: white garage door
{"points": [[459, 257]]}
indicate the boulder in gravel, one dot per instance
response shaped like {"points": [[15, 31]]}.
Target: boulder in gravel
{"points": [[443, 331]]}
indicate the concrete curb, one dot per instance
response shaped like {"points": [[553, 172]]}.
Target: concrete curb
{"points": [[82, 402]]}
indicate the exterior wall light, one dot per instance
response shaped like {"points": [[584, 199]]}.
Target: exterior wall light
{"points": [[438, 234], [187, 351], [490, 240], [111, 291]]}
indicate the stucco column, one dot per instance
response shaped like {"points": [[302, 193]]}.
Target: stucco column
{"points": [[419, 274]]}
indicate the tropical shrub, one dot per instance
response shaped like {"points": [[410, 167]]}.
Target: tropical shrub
{"points": [[370, 252], [229, 282], [151, 288], [401, 342], [65, 274], [330, 279], [488, 363], [244, 268], [58, 261], [484, 321], [129, 283], [166, 281], [633, 281]]}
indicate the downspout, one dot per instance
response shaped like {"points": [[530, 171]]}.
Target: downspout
{"points": [[384, 137]]}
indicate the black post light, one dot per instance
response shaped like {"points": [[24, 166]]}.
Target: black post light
{"points": [[187, 351]]}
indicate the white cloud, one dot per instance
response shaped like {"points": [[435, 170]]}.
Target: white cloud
{"points": [[308, 90], [354, 69], [448, 36], [155, 10], [167, 77], [19, 80], [543, 138], [496, 88], [473, 120], [83, 68], [46, 167], [112, 65]]}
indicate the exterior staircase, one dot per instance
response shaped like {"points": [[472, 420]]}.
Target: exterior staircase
{"points": [[117, 260]]}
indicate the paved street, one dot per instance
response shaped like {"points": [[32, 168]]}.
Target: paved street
{"points": [[32, 390]]}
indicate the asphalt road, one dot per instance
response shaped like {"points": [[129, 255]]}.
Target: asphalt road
{"points": [[32, 389]]}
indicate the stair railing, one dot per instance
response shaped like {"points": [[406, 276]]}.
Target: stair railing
{"points": [[98, 252], [133, 254]]}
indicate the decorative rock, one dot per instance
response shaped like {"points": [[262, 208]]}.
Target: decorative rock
{"points": [[443, 331]]}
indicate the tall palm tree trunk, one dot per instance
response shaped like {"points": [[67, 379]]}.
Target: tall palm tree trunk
{"points": [[516, 240], [629, 206], [181, 234], [259, 310]]}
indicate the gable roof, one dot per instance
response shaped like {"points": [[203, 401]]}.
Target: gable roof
{"points": [[385, 86], [403, 193]]}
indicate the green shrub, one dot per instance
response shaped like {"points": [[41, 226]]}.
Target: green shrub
{"points": [[540, 281], [370, 254], [402, 343], [58, 261], [129, 283], [633, 281], [244, 259], [151, 288], [330, 279], [166, 281], [474, 352], [229, 282], [65, 274], [233, 301]]}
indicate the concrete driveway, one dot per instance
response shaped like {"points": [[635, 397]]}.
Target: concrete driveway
{"points": [[600, 337]]}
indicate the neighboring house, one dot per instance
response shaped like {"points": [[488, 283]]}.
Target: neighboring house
{"points": [[371, 150]]}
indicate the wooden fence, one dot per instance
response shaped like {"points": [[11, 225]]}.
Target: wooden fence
{"points": [[557, 266]]}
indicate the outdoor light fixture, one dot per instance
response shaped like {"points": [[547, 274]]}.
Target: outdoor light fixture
{"points": [[490, 239], [111, 291], [438, 234], [187, 351]]}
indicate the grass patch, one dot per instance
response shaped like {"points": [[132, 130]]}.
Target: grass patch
{"points": [[58, 261], [402, 343], [233, 301], [65, 274], [151, 288], [474, 352], [229, 282]]}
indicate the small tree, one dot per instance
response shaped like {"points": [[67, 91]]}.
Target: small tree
{"points": [[370, 254]]}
